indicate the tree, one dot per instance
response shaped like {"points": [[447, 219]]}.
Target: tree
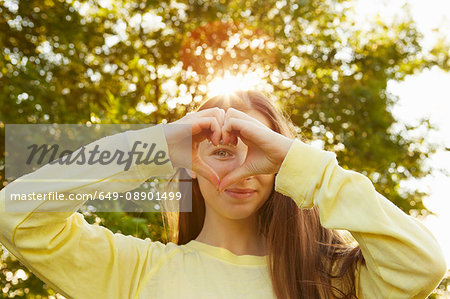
{"points": [[145, 62]]}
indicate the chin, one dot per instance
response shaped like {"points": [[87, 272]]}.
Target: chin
{"points": [[240, 215], [239, 212], [233, 208]]}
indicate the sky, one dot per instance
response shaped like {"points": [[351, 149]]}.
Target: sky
{"points": [[424, 95]]}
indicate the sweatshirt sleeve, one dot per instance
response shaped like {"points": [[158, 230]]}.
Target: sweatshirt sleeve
{"points": [[402, 257], [59, 246]]}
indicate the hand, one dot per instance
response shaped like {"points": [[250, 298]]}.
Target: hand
{"points": [[266, 148], [205, 124]]}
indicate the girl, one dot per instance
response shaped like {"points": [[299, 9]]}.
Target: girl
{"points": [[266, 210]]}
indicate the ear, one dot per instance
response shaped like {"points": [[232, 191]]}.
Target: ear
{"points": [[191, 173]]}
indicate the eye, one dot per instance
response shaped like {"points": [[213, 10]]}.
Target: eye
{"points": [[221, 153]]}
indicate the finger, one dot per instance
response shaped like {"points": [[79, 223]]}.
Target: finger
{"points": [[204, 170], [222, 113], [237, 114], [233, 177], [210, 124], [216, 112], [216, 132], [234, 113], [230, 137], [235, 126], [234, 138]]}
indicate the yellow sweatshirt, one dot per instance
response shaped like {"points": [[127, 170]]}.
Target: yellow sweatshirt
{"points": [[79, 260]]}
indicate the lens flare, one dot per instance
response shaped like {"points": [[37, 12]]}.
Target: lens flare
{"points": [[230, 83]]}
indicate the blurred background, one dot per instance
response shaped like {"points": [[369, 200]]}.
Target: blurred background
{"points": [[366, 79]]}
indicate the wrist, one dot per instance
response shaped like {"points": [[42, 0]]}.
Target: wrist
{"points": [[285, 144], [179, 139]]}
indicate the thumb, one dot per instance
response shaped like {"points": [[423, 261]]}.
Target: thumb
{"points": [[206, 171], [234, 176]]}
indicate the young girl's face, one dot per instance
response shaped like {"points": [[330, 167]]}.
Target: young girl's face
{"points": [[223, 159]]}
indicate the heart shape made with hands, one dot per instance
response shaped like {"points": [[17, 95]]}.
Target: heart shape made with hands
{"points": [[199, 166], [266, 148]]}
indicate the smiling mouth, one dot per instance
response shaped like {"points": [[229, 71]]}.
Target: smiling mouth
{"points": [[240, 193]]}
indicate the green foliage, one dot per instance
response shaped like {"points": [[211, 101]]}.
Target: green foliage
{"points": [[443, 289], [63, 63]]}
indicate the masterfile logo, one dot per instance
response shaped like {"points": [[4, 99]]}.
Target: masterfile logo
{"points": [[112, 167], [30, 146], [97, 156]]}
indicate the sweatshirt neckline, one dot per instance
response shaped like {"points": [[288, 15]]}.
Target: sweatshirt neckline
{"points": [[226, 255]]}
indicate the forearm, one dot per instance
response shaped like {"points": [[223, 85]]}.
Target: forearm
{"points": [[403, 259], [55, 240], [84, 179]]}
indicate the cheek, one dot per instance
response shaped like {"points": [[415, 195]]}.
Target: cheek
{"points": [[206, 188], [267, 182], [223, 167]]}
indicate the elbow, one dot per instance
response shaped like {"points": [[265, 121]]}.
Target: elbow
{"points": [[439, 265], [434, 273], [439, 269]]}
